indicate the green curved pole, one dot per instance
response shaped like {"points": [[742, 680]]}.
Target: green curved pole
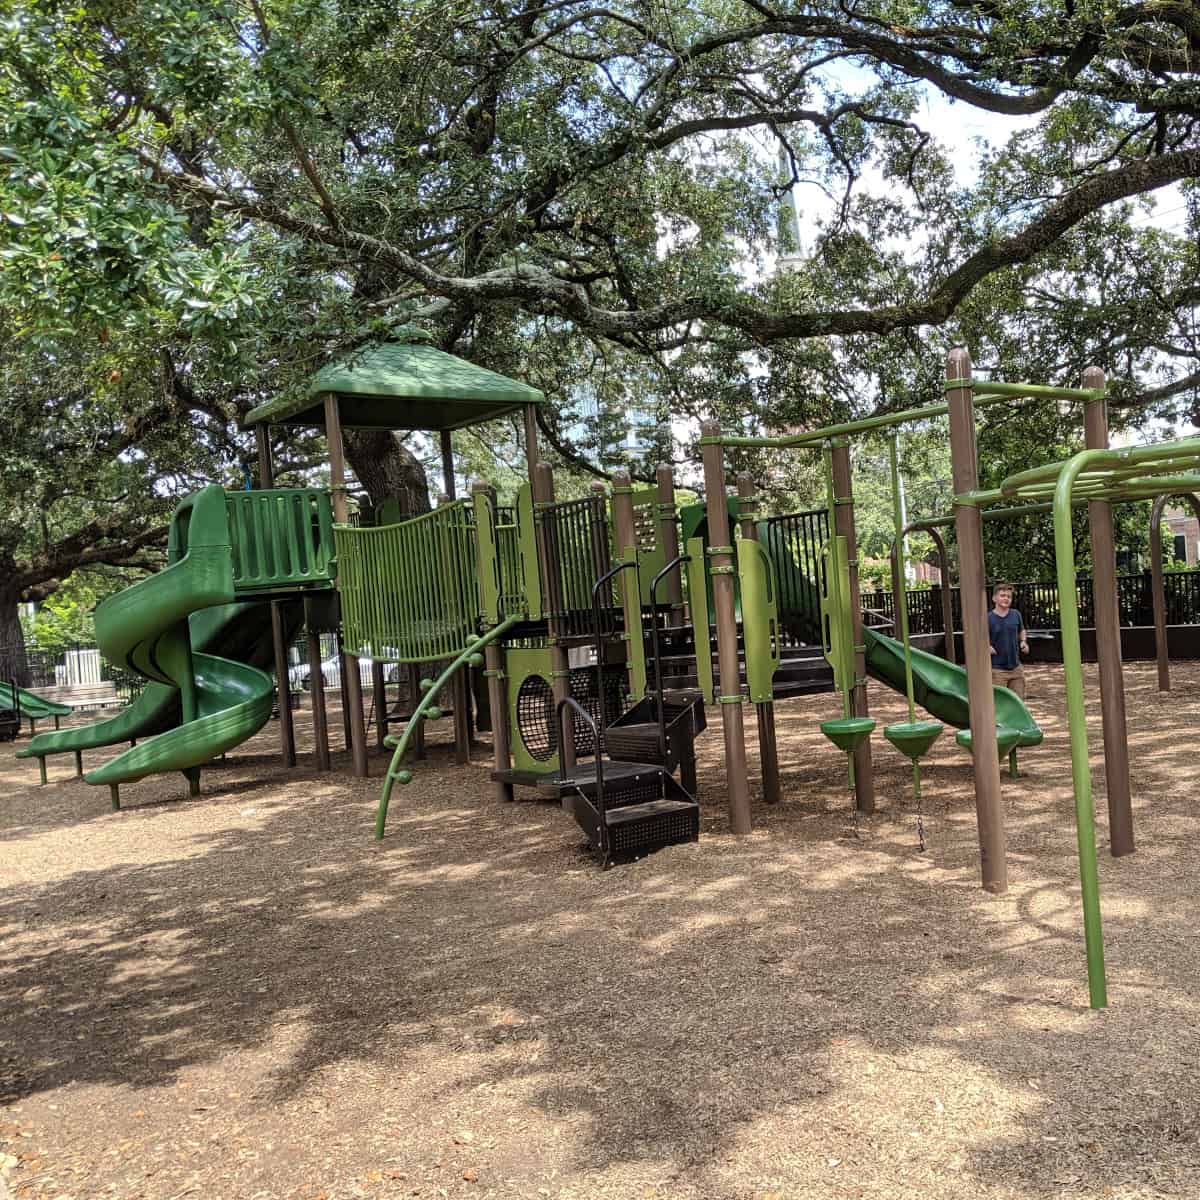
{"points": [[901, 605], [1081, 775], [394, 775]]}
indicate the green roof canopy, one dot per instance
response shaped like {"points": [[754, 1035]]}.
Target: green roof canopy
{"points": [[397, 385]]}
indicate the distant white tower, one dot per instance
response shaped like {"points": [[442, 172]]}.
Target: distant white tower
{"points": [[791, 246]]}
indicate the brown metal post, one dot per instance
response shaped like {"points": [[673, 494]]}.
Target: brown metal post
{"points": [[945, 591], [560, 664], [316, 684], [283, 692], [624, 536], [459, 691], [379, 697], [448, 464], [493, 657], [968, 524], [343, 675], [498, 697], [720, 551], [529, 416], [1108, 637], [668, 536], [768, 746], [351, 683], [843, 495], [414, 687], [947, 594]]}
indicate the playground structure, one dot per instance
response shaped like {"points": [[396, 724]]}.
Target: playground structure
{"points": [[592, 620]]}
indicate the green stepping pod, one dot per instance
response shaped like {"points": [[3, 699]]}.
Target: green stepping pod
{"points": [[848, 733], [913, 738]]}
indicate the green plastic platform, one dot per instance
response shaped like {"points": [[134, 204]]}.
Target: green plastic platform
{"points": [[914, 738], [848, 733]]}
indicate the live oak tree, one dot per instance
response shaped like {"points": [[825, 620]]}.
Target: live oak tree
{"points": [[587, 196]]}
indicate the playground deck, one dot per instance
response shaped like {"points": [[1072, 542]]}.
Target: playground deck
{"points": [[242, 996]]}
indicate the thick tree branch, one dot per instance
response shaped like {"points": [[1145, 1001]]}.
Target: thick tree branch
{"points": [[541, 290]]}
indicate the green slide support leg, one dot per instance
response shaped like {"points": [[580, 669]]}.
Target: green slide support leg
{"points": [[114, 794], [427, 708]]}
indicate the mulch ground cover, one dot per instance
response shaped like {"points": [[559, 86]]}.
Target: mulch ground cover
{"points": [[241, 996]]}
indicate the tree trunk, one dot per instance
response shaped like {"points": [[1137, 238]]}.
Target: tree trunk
{"points": [[14, 665], [387, 469]]}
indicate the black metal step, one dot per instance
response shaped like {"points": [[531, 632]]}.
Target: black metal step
{"points": [[640, 828], [619, 777]]}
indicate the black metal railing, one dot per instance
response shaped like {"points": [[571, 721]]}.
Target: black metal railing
{"points": [[78, 663], [1039, 604], [577, 540]]}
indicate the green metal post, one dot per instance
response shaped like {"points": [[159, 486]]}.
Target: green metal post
{"points": [[901, 597], [1081, 775]]}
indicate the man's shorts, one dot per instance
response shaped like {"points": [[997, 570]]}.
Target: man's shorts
{"points": [[1012, 678]]}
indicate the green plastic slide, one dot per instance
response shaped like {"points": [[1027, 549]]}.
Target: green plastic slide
{"points": [[33, 708], [241, 631], [940, 687], [208, 703]]}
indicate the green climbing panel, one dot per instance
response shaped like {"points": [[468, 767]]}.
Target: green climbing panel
{"points": [[409, 590]]}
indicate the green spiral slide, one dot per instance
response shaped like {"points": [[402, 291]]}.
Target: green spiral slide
{"points": [[198, 704]]}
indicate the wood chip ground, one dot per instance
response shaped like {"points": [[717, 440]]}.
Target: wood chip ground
{"points": [[242, 997]]}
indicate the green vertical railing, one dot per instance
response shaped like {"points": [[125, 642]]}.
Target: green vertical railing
{"points": [[409, 591]]}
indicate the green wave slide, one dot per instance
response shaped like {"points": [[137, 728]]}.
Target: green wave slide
{"points": [[33, 708], [198, 704], [939, 687]]}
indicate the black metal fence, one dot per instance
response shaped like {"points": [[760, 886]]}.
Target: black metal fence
{"points": [[72, 664], [1038, 603]]}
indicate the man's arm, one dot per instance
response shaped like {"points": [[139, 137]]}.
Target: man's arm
{"points": [[1022, 640]]}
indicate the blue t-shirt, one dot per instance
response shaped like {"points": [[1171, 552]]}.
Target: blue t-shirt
{"points": [[1005, 635]]}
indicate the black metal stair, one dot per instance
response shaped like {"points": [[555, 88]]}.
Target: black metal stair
{"points": [[637, 808]]}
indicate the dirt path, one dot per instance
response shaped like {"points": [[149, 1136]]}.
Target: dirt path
{"points": [[241, 997]]}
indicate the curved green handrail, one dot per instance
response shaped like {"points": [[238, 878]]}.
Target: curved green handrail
{"points": [[1081, 774], [395, 775]]}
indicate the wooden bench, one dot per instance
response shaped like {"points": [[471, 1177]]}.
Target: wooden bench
{"points": [[81, 695]]}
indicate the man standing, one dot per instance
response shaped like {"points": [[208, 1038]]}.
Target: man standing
{"points": [[1006, 632]]}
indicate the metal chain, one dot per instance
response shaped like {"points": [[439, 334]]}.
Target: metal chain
{"points": [[920, 820]]}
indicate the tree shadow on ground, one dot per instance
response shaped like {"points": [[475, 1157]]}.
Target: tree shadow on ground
{"points": [[689, 1010]]}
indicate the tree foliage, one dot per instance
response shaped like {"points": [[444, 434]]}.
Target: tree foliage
{"points": [[210, 198]]}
